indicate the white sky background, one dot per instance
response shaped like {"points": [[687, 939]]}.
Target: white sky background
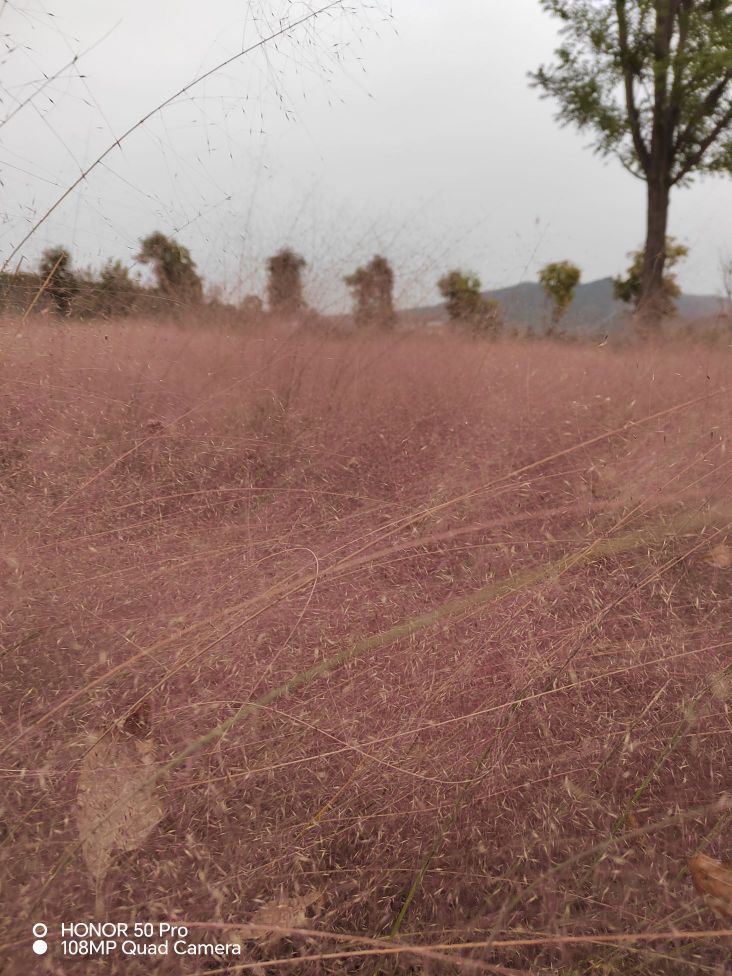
{"points": [[415, 134]]}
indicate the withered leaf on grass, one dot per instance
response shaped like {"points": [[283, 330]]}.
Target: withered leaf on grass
{"points": [[713, 879], [719, 556], [283, 912], [117, 807], [139, 721]]}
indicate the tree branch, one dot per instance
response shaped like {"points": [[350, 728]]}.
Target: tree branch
{"points": [[693, 161], [633, 115], [682, 11], [706, 107]]}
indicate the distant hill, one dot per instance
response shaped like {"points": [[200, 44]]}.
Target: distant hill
{"points": [[594, 308]]}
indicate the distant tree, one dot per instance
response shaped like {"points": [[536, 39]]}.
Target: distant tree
{"points": [[372, 290], [461, 291], [629, 288], [653, 80], [115, 290], [251, 308], [727, 279], [63, 286], [284, 282], [559, 281], [252, 305], [216, 295], [465, 303], [173, 267]]}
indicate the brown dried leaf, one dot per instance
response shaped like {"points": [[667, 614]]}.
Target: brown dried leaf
{"points": [[720, 685], [720, 556], [283, 913], [713, 879], [116, 806], [139, 721]]}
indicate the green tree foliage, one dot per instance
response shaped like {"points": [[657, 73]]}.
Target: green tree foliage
{"points": [[559, 281], [465, 303], [372, 291], [174, 269], [284, 282], [653, 80], [115, 291], [62, 284], [628, 289]]}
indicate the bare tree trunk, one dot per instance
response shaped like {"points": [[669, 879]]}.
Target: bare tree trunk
{"points": [[652, 303]]}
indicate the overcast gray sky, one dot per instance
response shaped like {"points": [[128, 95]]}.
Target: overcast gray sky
{"points": [[408, 128]]}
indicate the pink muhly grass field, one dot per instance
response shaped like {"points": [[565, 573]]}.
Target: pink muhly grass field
{"points": [[421, 638]]}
